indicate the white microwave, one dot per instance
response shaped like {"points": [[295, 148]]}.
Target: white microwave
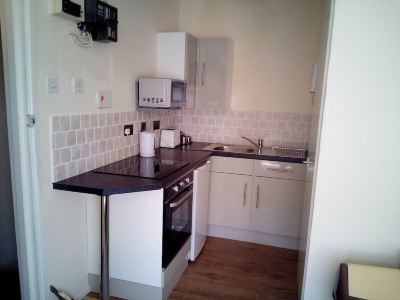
{"points": [[161, 93]]}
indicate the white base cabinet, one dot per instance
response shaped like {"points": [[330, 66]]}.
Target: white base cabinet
{"points": [[230, 196], [255, 200], [277, 206]]}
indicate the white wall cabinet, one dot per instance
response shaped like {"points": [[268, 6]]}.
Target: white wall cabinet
{"points": [[215, 73], [230, 197], [277, 206], [177, 54]]}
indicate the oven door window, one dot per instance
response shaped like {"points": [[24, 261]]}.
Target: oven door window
{"points": [[178, 92], [181, 214]]}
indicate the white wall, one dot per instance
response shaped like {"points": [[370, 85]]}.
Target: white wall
{"points": [[103, 66], [275, 46], [356, 214]]}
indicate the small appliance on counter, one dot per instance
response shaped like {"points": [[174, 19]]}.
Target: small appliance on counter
{"points": [[186, 139], [170, 138], [146, 144]]}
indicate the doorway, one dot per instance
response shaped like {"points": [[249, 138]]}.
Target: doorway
{"points": [[9, 274]]}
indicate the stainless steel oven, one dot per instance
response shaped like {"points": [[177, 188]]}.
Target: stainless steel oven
{"points": [[177, 227]]}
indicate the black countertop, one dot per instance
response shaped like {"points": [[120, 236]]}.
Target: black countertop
{"points": [[108, 184]]}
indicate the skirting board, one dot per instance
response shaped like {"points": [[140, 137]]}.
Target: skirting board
{"points": [[83, 293], [253, 237]]}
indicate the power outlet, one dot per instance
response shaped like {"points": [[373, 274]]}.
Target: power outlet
{"points": [[128, 129], [143, 126], [104, 99], [77, 85], [156, 125], [52, 85]]}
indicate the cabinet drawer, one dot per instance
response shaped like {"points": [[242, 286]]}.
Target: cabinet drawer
{"points": [[232, 165], [277, 169]]}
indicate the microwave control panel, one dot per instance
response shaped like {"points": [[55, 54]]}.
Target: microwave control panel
{"points": [[154, 92]]}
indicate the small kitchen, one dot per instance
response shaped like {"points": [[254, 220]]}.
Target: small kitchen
{"points": [[196, 122]]}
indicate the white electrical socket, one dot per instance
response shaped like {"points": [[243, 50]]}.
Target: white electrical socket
{"points": [[104, 99], [77, 85], [52, 85]]}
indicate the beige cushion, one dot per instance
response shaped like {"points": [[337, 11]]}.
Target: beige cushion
{"points": [[374, 283]]}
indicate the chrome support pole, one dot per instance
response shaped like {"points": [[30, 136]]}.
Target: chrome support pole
{"points": [[104, 284]]}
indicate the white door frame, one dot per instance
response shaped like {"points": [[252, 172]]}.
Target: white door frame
{"points": [[17, 32]]}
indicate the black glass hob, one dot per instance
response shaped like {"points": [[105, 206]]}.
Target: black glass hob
{"points": [[145, 167]]}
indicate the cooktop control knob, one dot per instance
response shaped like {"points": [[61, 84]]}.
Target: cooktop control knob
{"points": [[175, 188], [181, 183], [187, 179]]}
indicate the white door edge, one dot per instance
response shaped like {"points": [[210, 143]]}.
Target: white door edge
{"points": [[17, 34]]}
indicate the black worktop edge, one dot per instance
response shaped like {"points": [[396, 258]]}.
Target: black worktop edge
{"points": [[107, 191]]}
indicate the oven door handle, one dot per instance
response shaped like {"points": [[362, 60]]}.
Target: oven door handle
{"points": [[180, 201]]}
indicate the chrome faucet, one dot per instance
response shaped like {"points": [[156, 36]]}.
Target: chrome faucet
{"points": [[259, 144]]}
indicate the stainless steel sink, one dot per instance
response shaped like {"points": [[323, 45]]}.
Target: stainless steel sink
{"points": [[231, 148], [268, 151]]}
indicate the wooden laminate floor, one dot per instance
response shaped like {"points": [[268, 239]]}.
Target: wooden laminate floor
{"points": [[234, 270], [228, 269]]}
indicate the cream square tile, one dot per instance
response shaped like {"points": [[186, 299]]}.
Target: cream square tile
{"points": [[75, 122], [80, 137], [55, 123], [71, 138], [65, 155], [60, 172], [75, 152], [84, 121], [102, 119], [65, 123], [94, 120], [84, 150]]}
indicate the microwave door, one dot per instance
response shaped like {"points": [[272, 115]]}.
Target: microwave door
{"points": [[178, 94]]}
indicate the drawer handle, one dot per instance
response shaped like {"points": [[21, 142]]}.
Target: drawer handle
{"points": [[280, 170], [245, 194], [258, 195]]}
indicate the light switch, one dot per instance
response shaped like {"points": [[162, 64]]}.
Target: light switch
{"points": [[52, 85], [104, 99], [77, 85]]}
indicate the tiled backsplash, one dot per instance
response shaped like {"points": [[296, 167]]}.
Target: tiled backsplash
{"points": [[276, 128], [84, 142]]}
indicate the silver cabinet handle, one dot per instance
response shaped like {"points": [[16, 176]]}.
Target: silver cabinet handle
{"points": [[280, 170], [245, 194], [195, 73], [180, 201], [203, 73], [258, 196]]}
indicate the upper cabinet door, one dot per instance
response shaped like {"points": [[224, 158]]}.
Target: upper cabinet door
{"points": [[191, 70], [171, 55], [177, 54], [215, 73]]}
